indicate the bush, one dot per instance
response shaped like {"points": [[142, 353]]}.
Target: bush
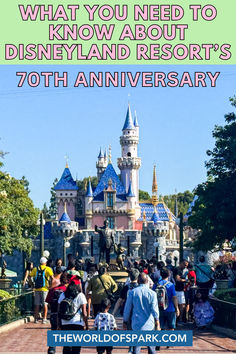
{"points": [[4, 294], [8, 309], [228, 295]]}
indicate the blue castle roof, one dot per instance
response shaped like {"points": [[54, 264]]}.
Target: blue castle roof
{"points": [[101, 154], [135, 120], [128, 120], [130, 191], [89, 190], [65, 218], [66, 181], [155, 218], [161, 210], [109, 174]]}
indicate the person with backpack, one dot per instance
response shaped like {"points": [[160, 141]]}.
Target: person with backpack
{"points": [[42, 280], [133, 275], [167, 301], [142, 309], [204, 275], [105, 321], [72, 313], [52, 299]]}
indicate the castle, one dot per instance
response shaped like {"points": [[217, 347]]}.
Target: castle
{"points": [[144, 228]]}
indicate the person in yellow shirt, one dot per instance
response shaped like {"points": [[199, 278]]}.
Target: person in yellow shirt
{"points": [[42, 278]]}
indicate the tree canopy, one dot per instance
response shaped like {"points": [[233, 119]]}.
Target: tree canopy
{"points": [[18, 217], [179, 202], [82, 184], [51, 213], [214, 213], [143, 195]]}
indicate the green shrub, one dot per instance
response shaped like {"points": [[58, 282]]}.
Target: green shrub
{"points": [[4, 294], [8, 309], [228, 295]]}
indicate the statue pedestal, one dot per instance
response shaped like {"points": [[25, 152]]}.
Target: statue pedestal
{"points": [[5, 283], [119, 276]]}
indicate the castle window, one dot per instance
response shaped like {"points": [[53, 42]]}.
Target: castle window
{"points": [[80, 207], [65, 193], [60, 193], [110, 200], [110, 222], [71, 194], [129, 154]]}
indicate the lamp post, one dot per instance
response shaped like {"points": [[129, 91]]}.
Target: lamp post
{"points": [[66, 245], [181, 237], [41, 223]]}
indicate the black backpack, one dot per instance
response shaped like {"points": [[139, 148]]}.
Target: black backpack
{"points": [[40, 279], [67, 309], [54, 303]]}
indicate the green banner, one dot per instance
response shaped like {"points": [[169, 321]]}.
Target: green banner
{"points": [[114, 32]]}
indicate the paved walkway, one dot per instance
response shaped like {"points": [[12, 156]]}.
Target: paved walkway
{"points": [[32, 338]]}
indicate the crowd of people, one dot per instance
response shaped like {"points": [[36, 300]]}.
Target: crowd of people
{"points": [[155, 296]]}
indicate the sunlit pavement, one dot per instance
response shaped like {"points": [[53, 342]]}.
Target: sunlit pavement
{"points": [[32, 338]]}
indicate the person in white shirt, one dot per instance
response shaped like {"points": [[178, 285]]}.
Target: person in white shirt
{"points": [[105, 321], [79, 319]]}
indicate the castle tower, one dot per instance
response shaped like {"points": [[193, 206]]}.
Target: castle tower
{"points": [[130, 163], [101, 163], [88, 205], [154, 188], [131, 207], [66, 192]]}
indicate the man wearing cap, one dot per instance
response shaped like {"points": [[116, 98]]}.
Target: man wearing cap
{"points": [[42, 276]]}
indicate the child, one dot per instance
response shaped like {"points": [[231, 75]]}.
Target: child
{"points": [[203, 311], [105, 321], [190, 295]]}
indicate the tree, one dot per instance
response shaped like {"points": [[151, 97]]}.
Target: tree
{"points": [[45, 211], [214, 212], [183, 200], [82, 183], [25, 183], [18, 217], [52, 211], [143, 195]]}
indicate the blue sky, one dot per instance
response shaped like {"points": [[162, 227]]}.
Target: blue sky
{"points": [[39, 126]]}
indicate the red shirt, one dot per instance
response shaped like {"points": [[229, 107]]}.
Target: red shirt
{"points": [[50, 295], [192, 274]]}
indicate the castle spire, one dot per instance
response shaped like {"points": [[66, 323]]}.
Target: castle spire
{"points": [[101, 154], [67, 158], [135, 119], [154, 188], [130, 191], [109, 155], [128, 120], [89, 189]]}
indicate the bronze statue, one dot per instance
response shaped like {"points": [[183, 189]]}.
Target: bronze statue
{"points": [[106, 241], [4, 267], [119, 250]]}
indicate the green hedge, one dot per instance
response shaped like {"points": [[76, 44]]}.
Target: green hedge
{"points": [[228, 295], [4, 294]]}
